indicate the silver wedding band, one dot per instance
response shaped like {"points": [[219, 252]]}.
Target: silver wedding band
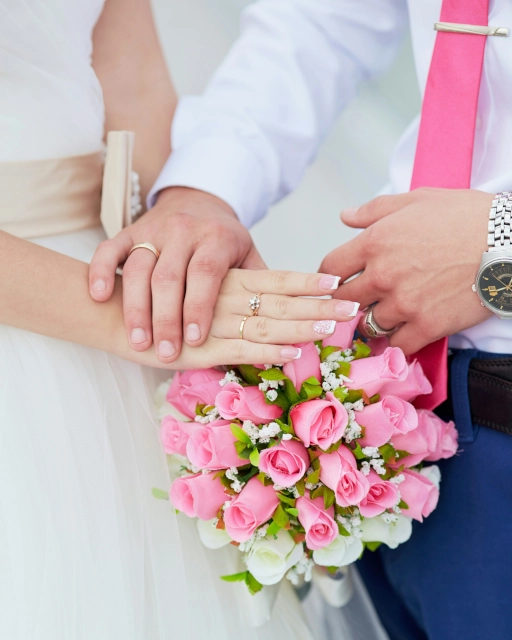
{"points": [[145, 245], [371, 328]]}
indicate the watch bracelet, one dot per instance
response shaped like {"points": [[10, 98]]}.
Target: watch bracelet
{"points": [[499, 227]]}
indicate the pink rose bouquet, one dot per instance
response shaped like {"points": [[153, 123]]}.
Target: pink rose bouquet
{"points": [[310, 462]]}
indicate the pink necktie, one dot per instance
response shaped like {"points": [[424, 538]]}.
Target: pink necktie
{"points": [[444, 152]]}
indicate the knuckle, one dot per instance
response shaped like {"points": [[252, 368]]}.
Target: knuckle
{"points": [[135, 313], [163, 279], [382, 280], [240, 351], [135, 270], [262, 328], [377, 205], [195, 309], [279, 280], [283, 306], [181, 220], [206, 266]]}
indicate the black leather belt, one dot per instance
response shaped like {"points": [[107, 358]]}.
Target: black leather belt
{"points": [[490, 394]]}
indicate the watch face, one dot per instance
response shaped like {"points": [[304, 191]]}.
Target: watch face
{"points": [[495, 286]]}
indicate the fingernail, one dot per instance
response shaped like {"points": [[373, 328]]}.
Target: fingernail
{"points": [[193, 332], [138, 336], [291, 353], [351, 211], [347, 308], [329, 283], [99, 285], [326, 327], [166, 349]]}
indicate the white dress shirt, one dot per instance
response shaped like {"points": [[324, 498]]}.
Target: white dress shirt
{"points": [[250, 137]]}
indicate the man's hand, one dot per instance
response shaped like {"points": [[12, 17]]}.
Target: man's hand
{"points": [[199, 238], [419, 255]]}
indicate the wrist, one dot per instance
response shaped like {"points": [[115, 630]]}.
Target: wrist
{"points": [[184, 198]]}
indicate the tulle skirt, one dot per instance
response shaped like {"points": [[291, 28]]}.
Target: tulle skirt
{"points": [[86, 551]]}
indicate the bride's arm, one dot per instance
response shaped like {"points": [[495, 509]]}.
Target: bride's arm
{"points": [[46, 293], [137, 88]]}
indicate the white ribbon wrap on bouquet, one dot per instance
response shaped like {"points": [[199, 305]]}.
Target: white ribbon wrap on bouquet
{"points": [[258, 608], [116, 193], [337, 589]]}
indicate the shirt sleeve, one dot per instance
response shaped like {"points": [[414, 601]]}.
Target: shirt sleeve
{"points": [[250, 137]]}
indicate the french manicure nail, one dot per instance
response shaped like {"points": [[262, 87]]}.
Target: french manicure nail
{"points": [[347, 308], [166, 349], [329, 283], [293, 353], [325, 327], [138, 336], [99, 285], [351, 211], [193, 332]]}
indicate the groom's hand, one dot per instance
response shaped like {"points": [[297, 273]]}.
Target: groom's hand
{"points": [[199, 238], [419, 254]]}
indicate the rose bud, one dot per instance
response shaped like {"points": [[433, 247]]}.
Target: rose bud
{"points": [[343, 335], [252, 507], [191, 388], [285, 463], [383, 419], [212, 446], [371, 374], [381, 496], [174, 435], [339, 472], [415, 384], [319, 524], [320, 422], [307, 366], [419, 493], [198, 496], [245, 403]]}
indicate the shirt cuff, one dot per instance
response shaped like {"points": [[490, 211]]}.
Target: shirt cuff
{"points": [[222, 167]]}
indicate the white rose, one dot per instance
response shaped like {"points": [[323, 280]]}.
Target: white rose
{"points": [[212, 537], [392, 534], [342, 551], [270, 559], [433, 473]]}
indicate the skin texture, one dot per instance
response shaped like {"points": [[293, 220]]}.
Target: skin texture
{"points": [[419, 254]]}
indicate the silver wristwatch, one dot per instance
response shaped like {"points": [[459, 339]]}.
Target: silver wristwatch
{"points": [[494, 278]]}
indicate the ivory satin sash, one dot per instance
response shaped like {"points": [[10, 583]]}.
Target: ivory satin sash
{"points": [[63, 195]]}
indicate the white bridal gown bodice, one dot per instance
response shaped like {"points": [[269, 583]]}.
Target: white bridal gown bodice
{"points": [[86, 552]]}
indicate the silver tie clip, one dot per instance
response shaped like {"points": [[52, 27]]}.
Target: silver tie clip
{"points": [[453, 27]]}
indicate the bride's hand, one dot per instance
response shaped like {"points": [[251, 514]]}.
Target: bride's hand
{"points": [[283, 319]]}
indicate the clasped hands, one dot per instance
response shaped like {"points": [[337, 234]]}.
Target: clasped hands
{"points": [[417, 258]]}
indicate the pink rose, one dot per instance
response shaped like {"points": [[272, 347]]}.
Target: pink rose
{"points": [[306, 366], [285, 463], [320, 422], [212, 446], [383, 419], [321, 529], [378, 345], [381, 496], [343, 335], [198, 496], [252, 507], [174, 435], [432, 440], [372, 373], [190, 388], [420, 494], [415, 384], [245, 403], [339, 472]]}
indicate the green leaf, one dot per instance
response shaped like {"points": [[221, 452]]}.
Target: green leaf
{"points": [[315, 463], [403, 505], [281, 401], [343, 369], [280, 517], [360, 350], [285, 427], [226, 482], [387, 451], [314, 477], [375, 398], [286, 499], [326, 352], [253, 585], [358, 452], [292, 511], [159, 494], [199, 409], [373, 546], [329, 498], [311, 389], [353, 395], [254, 458], [300, 485], [342, 530], [273, 528], [334, 447], [240, 435], [290, 392], [341, 393], [235, 577], [250, 374], [243, 451], [245, 477], [272, 374], [318, 492]]}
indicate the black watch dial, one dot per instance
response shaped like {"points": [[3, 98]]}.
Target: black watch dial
{"points": [[495, 285]]}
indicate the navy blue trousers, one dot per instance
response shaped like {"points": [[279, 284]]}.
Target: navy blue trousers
{"points": [[453, 578]]}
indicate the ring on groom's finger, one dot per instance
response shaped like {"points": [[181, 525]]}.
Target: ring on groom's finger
{"points": [[254, 303], [242, 325], [370, 328], [146, 245]]}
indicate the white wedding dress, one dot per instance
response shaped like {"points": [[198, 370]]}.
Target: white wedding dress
{"points": [[86, 552]]}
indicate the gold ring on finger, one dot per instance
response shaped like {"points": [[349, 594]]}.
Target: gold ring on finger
{"points": [[146, 245], [254, 303], [242, 325]]}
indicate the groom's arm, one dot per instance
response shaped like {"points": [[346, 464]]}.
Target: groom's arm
{"points": [[250, 137]]}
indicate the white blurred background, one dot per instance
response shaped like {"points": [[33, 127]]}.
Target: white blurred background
{"points": [[352, 164]]}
